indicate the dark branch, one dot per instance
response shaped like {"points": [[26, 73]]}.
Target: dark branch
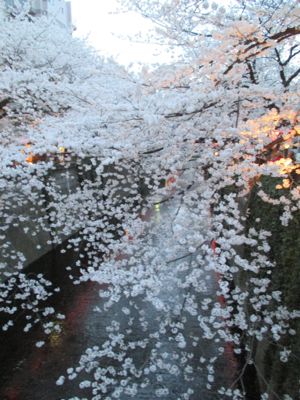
{"points": [[196, 33], [153, 151], [293, 76], [251, 73], [263, 45], [186, 114], [292, 54]]}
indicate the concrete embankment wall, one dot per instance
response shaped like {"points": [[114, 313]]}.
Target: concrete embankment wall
{"points": [[29, 233], [275, 377]]}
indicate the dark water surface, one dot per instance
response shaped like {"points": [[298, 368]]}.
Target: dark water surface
{"points": [[30, 373]]}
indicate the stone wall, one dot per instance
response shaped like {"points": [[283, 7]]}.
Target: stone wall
{"points": [[275, 376]]}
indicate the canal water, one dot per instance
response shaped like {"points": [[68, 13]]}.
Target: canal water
{"points": [[28, 372]]}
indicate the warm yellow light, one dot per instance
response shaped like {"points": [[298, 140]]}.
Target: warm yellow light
{"points": [[62, 149], [297, 129], [285, 165], [29, 159], [286, 183]]}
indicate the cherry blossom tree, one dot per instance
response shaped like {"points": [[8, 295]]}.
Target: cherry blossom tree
{"points": [[198, 140], [48, 82]]}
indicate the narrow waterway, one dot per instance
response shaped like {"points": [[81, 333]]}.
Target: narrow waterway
{"points": [[30, 373]]}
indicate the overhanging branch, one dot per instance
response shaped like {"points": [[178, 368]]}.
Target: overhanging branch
{"points": [[262, 45]]}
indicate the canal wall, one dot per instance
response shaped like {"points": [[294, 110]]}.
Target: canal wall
{"points": [[278, 375], [32, 227], [274, 371]]}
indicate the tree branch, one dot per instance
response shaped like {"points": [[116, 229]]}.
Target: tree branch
{"points": [[183, 114], [251, 73], [263, 45], [291, 54], [293, 76]]}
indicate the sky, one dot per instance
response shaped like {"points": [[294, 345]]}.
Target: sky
{"points": [[94, 19]]}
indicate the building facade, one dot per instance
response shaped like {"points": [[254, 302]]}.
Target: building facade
{"points": [[59, 10]]}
